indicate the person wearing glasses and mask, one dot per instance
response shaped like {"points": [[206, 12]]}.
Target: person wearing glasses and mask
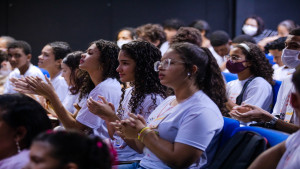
{"points": [[183, 130], [254, 71], [288, 120]]}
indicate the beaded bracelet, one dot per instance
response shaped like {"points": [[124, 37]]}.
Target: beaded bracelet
{"points": [[140, 133]]}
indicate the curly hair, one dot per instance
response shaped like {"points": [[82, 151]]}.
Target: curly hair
{"points": [[82, 81], [260, 65], [109, 58], [208, 76], [152, 32], [187, 34], [146, 80]]}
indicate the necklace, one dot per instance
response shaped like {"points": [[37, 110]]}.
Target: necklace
{"points": [[162, 112]]}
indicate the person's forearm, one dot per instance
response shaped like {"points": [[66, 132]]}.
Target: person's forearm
{"points": [[286, 127], [166, 151], [63, 115], [270, 158]]}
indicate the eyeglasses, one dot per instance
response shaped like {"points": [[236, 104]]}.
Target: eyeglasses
{"points": [[165, 64], [233, 58]]}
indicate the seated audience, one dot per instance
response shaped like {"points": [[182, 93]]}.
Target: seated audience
{"points": [[221, 43], [136, 60], [254, 71], [183, 130], [254, 26], [171, 27], [283, 108], [21, 119], [5, 69], [153, 33], [283, 30], [19, 56], [286, 154], [204, 28], [57, 150], [187, 34], [50, 59], [100, 61], [125, 35], [275, 48]]}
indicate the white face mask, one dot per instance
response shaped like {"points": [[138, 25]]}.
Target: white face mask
{"points": [[249, 30], [290, 58], [120, 43]]}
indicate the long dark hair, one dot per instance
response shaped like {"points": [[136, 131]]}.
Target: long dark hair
{"points": [[146, 80], [208, 76], [82, 81]]}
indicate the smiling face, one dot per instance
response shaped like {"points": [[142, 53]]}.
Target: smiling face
{"points": [[176, 73], [126, 68], [47, 58], [41, 157], [90, 60]]}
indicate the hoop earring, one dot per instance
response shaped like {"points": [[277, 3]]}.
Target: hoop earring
{"points": [[18, 147]]}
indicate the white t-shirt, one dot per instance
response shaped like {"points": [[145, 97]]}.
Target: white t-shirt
{"points": [[60, 85], [196, 122], [164, 47], [283, 105], [125, 153], [258, 92], [291, 157], [69, 101], [282, 72], [111, 90], [32, 71], [220, 59], [16, 161]]}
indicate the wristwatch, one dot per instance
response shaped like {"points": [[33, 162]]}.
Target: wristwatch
{"points": [[271, 124]]}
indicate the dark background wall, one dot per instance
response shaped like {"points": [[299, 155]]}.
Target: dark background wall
{"points": [[82, 21]]}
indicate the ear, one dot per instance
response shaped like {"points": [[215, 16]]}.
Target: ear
{"points": [[295, 101], [20, 133], [230, 42], [71, 166], [58, 62], [29, 57], [194, 69]]}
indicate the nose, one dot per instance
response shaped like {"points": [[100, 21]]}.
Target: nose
{"points": [[83, 55], [118, 69], [40, 57]]}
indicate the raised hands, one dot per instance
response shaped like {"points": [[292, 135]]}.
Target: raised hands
{"points": [[33, 85], [103, 109]]}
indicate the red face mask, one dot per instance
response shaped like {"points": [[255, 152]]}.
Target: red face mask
{"points": [[235, 67]]}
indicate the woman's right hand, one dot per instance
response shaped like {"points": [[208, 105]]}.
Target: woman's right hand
{"points": [[103, 109]]}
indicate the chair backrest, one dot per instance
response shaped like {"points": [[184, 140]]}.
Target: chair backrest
{"points": [[229, 126], [229, 76], [274, 137], [275, 87], [45, 72], [270, 58]]}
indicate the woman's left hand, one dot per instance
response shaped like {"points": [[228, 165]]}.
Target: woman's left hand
{"points": [[130, 127]]}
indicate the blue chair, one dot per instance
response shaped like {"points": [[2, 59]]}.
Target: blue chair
{"points": [[275, 88], [45, 72], [274, 137], [229, 126], [270, 58], [229, 76]]}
